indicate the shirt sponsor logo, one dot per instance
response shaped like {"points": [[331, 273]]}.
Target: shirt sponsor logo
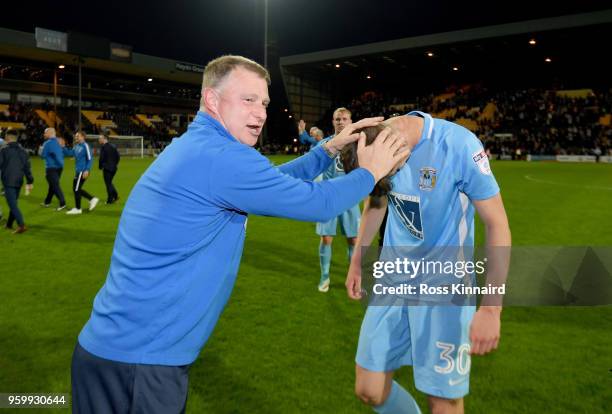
{"points": [[482, 161], [408, 210], [428, 176]]}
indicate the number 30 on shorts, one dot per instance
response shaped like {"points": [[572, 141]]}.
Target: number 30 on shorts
{"points": [[461, 362]]}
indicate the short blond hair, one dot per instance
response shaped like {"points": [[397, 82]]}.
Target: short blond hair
{"points": [[218, 69], [342, 109]]}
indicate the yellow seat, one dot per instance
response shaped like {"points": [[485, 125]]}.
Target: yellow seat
{"points": [[11, 125], [93, 117], [468, 123]]}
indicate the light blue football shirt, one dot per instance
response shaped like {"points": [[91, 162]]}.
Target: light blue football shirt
{"points": [[429, 204], [336, 168]]}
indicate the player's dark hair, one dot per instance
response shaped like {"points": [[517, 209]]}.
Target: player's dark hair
{"points": [[350, 162]]}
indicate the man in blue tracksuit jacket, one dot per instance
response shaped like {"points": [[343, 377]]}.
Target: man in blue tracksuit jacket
{"points": [[180, 240], [83, 159], [54, 164], [312, 138]]}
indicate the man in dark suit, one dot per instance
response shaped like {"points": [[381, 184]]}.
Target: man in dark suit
{"points": [[109, 159], [15, 164]]}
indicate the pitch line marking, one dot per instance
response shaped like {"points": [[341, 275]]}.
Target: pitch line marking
{"points": [[593, 187]]}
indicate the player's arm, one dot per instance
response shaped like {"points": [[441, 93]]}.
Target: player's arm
{"points": [[371, 219], [486, 324]]}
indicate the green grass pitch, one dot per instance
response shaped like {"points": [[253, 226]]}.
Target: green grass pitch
{"points": [[283, 347]]}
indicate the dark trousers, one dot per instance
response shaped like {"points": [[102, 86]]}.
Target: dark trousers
{"points": [[111, 191], [77, 187], [12, 194], [103, 386], [53, 176]]}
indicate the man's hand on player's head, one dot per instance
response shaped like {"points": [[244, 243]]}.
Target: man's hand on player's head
{"points": [[348, 135], [383, 155]]}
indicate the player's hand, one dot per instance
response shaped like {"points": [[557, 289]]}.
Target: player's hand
{"points": [[28, 189], [347, 135], [384, 155], [62, 142], [85, 174], [485, 330], [301, 126], [353, 281]]}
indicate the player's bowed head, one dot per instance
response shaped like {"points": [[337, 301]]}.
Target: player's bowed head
{"points": [[350, 158]]}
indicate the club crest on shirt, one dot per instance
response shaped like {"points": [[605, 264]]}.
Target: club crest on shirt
{"points": [[408, 209], [428, 176], [482, 161], [339, 165]]}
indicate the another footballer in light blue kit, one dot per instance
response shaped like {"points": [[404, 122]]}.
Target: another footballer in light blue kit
{"points": [[349, 219], [431, 204]]}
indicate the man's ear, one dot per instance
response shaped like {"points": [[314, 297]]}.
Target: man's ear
{"points": [[210, 99]]}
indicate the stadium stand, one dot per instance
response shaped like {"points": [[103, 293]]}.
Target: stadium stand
{"points": [[31, 121], [513, 123]]}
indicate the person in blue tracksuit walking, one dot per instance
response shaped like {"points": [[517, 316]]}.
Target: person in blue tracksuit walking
{"points": [[83, 158], [53, 155]]}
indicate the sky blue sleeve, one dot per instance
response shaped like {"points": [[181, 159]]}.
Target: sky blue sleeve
{"points": [[308, 166], [476, 180], [245, 180], [305, 138], [68, 152]]}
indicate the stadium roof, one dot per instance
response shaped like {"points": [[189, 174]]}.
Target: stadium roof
{"points": [[567, 51], [22, 45], [493, 44]]}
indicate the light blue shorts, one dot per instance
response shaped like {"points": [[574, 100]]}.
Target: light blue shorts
{"points": [[349, 223], [433, 339]]}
